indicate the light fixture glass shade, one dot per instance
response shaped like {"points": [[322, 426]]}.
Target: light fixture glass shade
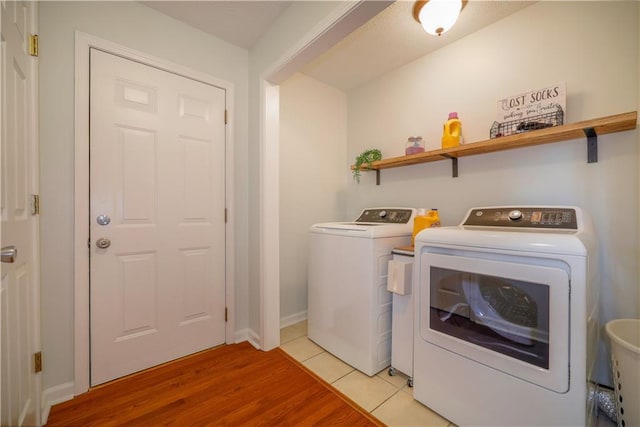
{"points": [[438, 16]]}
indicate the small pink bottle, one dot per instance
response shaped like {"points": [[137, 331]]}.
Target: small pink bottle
{"points": [[415, 144]]}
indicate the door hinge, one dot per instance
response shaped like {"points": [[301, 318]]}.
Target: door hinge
{"points": [[37, 362], [33, 45], [225, 215], [225, 117], [35, 204], [226, 314]]}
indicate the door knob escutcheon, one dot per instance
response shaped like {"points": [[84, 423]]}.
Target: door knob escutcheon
{"points": [[103, 243]]}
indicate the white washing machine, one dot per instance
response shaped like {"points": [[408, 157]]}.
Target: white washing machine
{"points": [[349, 307], [507, 317]]}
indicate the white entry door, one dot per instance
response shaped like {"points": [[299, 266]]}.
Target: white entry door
{"points": [[157, 222], [19, 291]]}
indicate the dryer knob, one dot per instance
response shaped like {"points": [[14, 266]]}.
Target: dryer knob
{"points": [[515, 215], [382, 214]]}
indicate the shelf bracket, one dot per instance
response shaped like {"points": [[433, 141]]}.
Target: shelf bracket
{"points": [[377, 176], [592, 145], [454, 165]]}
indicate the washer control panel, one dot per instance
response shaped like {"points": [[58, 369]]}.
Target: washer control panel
{"points": [[525, 217], [385, 216]]}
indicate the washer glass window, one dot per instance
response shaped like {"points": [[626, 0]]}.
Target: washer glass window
{"points": [[504, 315]]}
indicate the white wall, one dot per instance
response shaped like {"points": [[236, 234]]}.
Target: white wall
{"points": [[593, 46], [294, 30], [313, 144], [139, 27]]}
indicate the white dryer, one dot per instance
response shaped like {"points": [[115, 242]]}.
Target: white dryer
{"points": [[349, 307], [506, 324]]}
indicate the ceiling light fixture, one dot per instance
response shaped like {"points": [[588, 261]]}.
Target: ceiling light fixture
{"points": [[437, 16]]}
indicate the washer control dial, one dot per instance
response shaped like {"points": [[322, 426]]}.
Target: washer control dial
{"points": [[383, 214], [515, 215]]}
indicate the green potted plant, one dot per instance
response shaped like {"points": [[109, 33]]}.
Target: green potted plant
{"points": [[366, 157]]}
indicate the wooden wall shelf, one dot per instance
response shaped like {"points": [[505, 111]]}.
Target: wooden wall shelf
{"points": [[588, 128]]}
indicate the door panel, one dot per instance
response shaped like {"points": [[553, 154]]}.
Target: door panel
{"points": [[157, 170], [19, 306]]}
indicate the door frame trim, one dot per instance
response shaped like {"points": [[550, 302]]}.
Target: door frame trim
{"points": [[83, 43], [345, 19]]}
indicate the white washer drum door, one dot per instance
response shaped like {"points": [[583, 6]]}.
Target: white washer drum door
{"points": [[456, 301]]}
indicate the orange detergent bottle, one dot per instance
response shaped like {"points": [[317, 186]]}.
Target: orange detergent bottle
{"points": [[424, 220], [452, 132]]}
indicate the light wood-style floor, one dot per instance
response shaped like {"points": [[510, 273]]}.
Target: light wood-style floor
{"points": [[234, 385]]}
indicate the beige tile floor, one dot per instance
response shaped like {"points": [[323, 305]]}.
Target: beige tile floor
{"points": [[388, 398]]}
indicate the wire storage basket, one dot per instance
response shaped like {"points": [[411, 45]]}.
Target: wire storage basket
{"points": [[541, 121], [625, 367]]}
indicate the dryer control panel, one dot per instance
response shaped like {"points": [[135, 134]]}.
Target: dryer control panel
{"points": [[523, 217], [385, 215]]}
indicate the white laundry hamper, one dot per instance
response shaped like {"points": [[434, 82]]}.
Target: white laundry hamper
{"points": [[625, 365]]}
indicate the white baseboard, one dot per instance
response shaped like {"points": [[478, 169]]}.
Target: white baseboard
{"points": [[248, 334], [293, 319], [240, 336], [53, 396], [254, 339]]}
